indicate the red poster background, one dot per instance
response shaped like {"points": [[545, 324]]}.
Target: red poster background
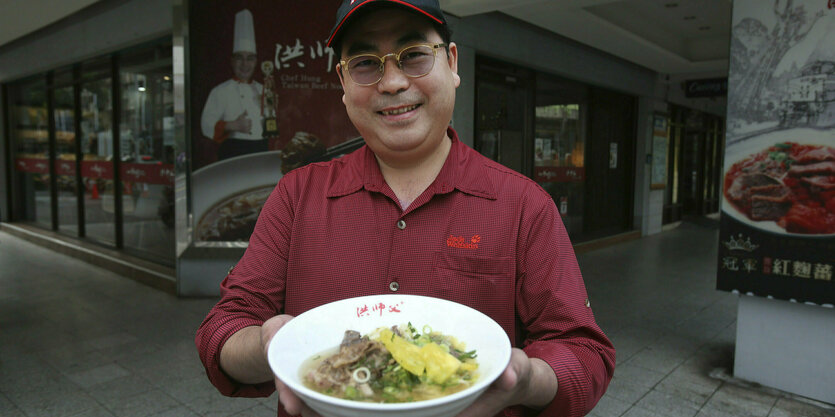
{"points": [[309, 94]]}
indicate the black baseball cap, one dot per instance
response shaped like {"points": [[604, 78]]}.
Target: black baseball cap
{"points": [[349, 8]]}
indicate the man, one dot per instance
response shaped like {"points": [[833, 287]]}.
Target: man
{"points": [[232, 113], [388, 217]]}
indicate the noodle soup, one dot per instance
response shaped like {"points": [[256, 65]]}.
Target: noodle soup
{"points": [[392, 365]]}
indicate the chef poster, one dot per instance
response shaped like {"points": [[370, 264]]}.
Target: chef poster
{"points": [[777, 233], [264, 98]]}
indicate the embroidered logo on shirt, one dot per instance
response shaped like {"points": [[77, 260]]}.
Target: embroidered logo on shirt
{"points": [[461, 243]]}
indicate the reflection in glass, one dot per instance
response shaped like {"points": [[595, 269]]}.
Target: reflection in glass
{"points": [[64, 115], [147, 140], [500, 124], [558, 141], [559, 147], [30, 149], [97, 166]]}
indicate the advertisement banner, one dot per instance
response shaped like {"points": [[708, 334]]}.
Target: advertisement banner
{"points": [[660, 146], [265, 98], [777, 229], [150, 173]]}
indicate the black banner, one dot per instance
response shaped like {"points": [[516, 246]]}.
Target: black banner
{"points": [[775, 265]]}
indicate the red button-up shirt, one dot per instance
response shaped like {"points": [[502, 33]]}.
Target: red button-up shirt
{"points": [[481, 235]]}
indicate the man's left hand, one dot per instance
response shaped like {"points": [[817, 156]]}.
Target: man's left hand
{"points": [[522, 382]]}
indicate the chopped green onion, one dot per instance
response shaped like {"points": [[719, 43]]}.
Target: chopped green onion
{"points": [[466, 355], [351, 392]]}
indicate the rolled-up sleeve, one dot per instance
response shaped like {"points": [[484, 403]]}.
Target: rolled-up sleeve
{"points": [[557, 319], [250, 294]]}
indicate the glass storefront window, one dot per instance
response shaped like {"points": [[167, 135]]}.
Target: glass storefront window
{"points": [[146, 148], [97, 165], [67, 117], [559, 147], [65, 152], [500, 126], [29, 130]]}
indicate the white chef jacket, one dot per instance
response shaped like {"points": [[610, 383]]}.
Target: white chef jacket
{"points": [[227, 101]]}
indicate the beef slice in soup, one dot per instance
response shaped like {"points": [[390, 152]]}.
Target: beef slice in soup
{"points": [[336, 371]]}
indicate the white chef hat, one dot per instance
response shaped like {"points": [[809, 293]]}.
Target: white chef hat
{"points": [[244, 32]]}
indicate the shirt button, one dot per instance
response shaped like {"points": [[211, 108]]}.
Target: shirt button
{"points": [[394, 286], [401, 224]]}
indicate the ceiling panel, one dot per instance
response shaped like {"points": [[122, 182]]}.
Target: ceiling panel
{"points": [[667, 36], [19, 18]]}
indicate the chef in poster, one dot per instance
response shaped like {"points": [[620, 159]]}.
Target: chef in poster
{"points": [[232, 113]]}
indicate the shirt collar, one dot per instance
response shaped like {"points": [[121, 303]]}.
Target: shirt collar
{"points": [[464, 170], [240, 81]]}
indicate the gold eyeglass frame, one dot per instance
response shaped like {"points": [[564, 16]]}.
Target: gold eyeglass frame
{"points": [[382, 68]]}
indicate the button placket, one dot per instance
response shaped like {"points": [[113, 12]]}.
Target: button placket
{"points": [[394, 286]]}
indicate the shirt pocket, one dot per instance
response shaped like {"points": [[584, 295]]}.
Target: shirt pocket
{"points": [[485, 284]]}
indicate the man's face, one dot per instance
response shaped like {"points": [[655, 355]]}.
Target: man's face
{"points": [[402, 119], [243, 65]]}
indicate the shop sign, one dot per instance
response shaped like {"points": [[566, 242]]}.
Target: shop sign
{"points": [[559, 174], [710, 87]]}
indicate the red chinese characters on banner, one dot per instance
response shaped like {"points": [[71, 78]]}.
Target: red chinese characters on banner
{"points": [[153, 173], [559, 174]]}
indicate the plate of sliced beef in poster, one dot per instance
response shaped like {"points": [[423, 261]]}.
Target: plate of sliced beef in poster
{"points": [[782, 186]]}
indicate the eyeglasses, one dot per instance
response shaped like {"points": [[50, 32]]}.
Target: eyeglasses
{"points": [[414, 60]]}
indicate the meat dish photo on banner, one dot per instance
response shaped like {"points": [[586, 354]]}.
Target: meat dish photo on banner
{"points": [[264, 98], [777, 224]]}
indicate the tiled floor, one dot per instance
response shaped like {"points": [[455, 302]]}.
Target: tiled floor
{"points": [[76, 340]]}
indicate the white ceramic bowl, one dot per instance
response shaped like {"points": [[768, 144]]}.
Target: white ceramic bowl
{"points": [[322, 328], [218, 181]]}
